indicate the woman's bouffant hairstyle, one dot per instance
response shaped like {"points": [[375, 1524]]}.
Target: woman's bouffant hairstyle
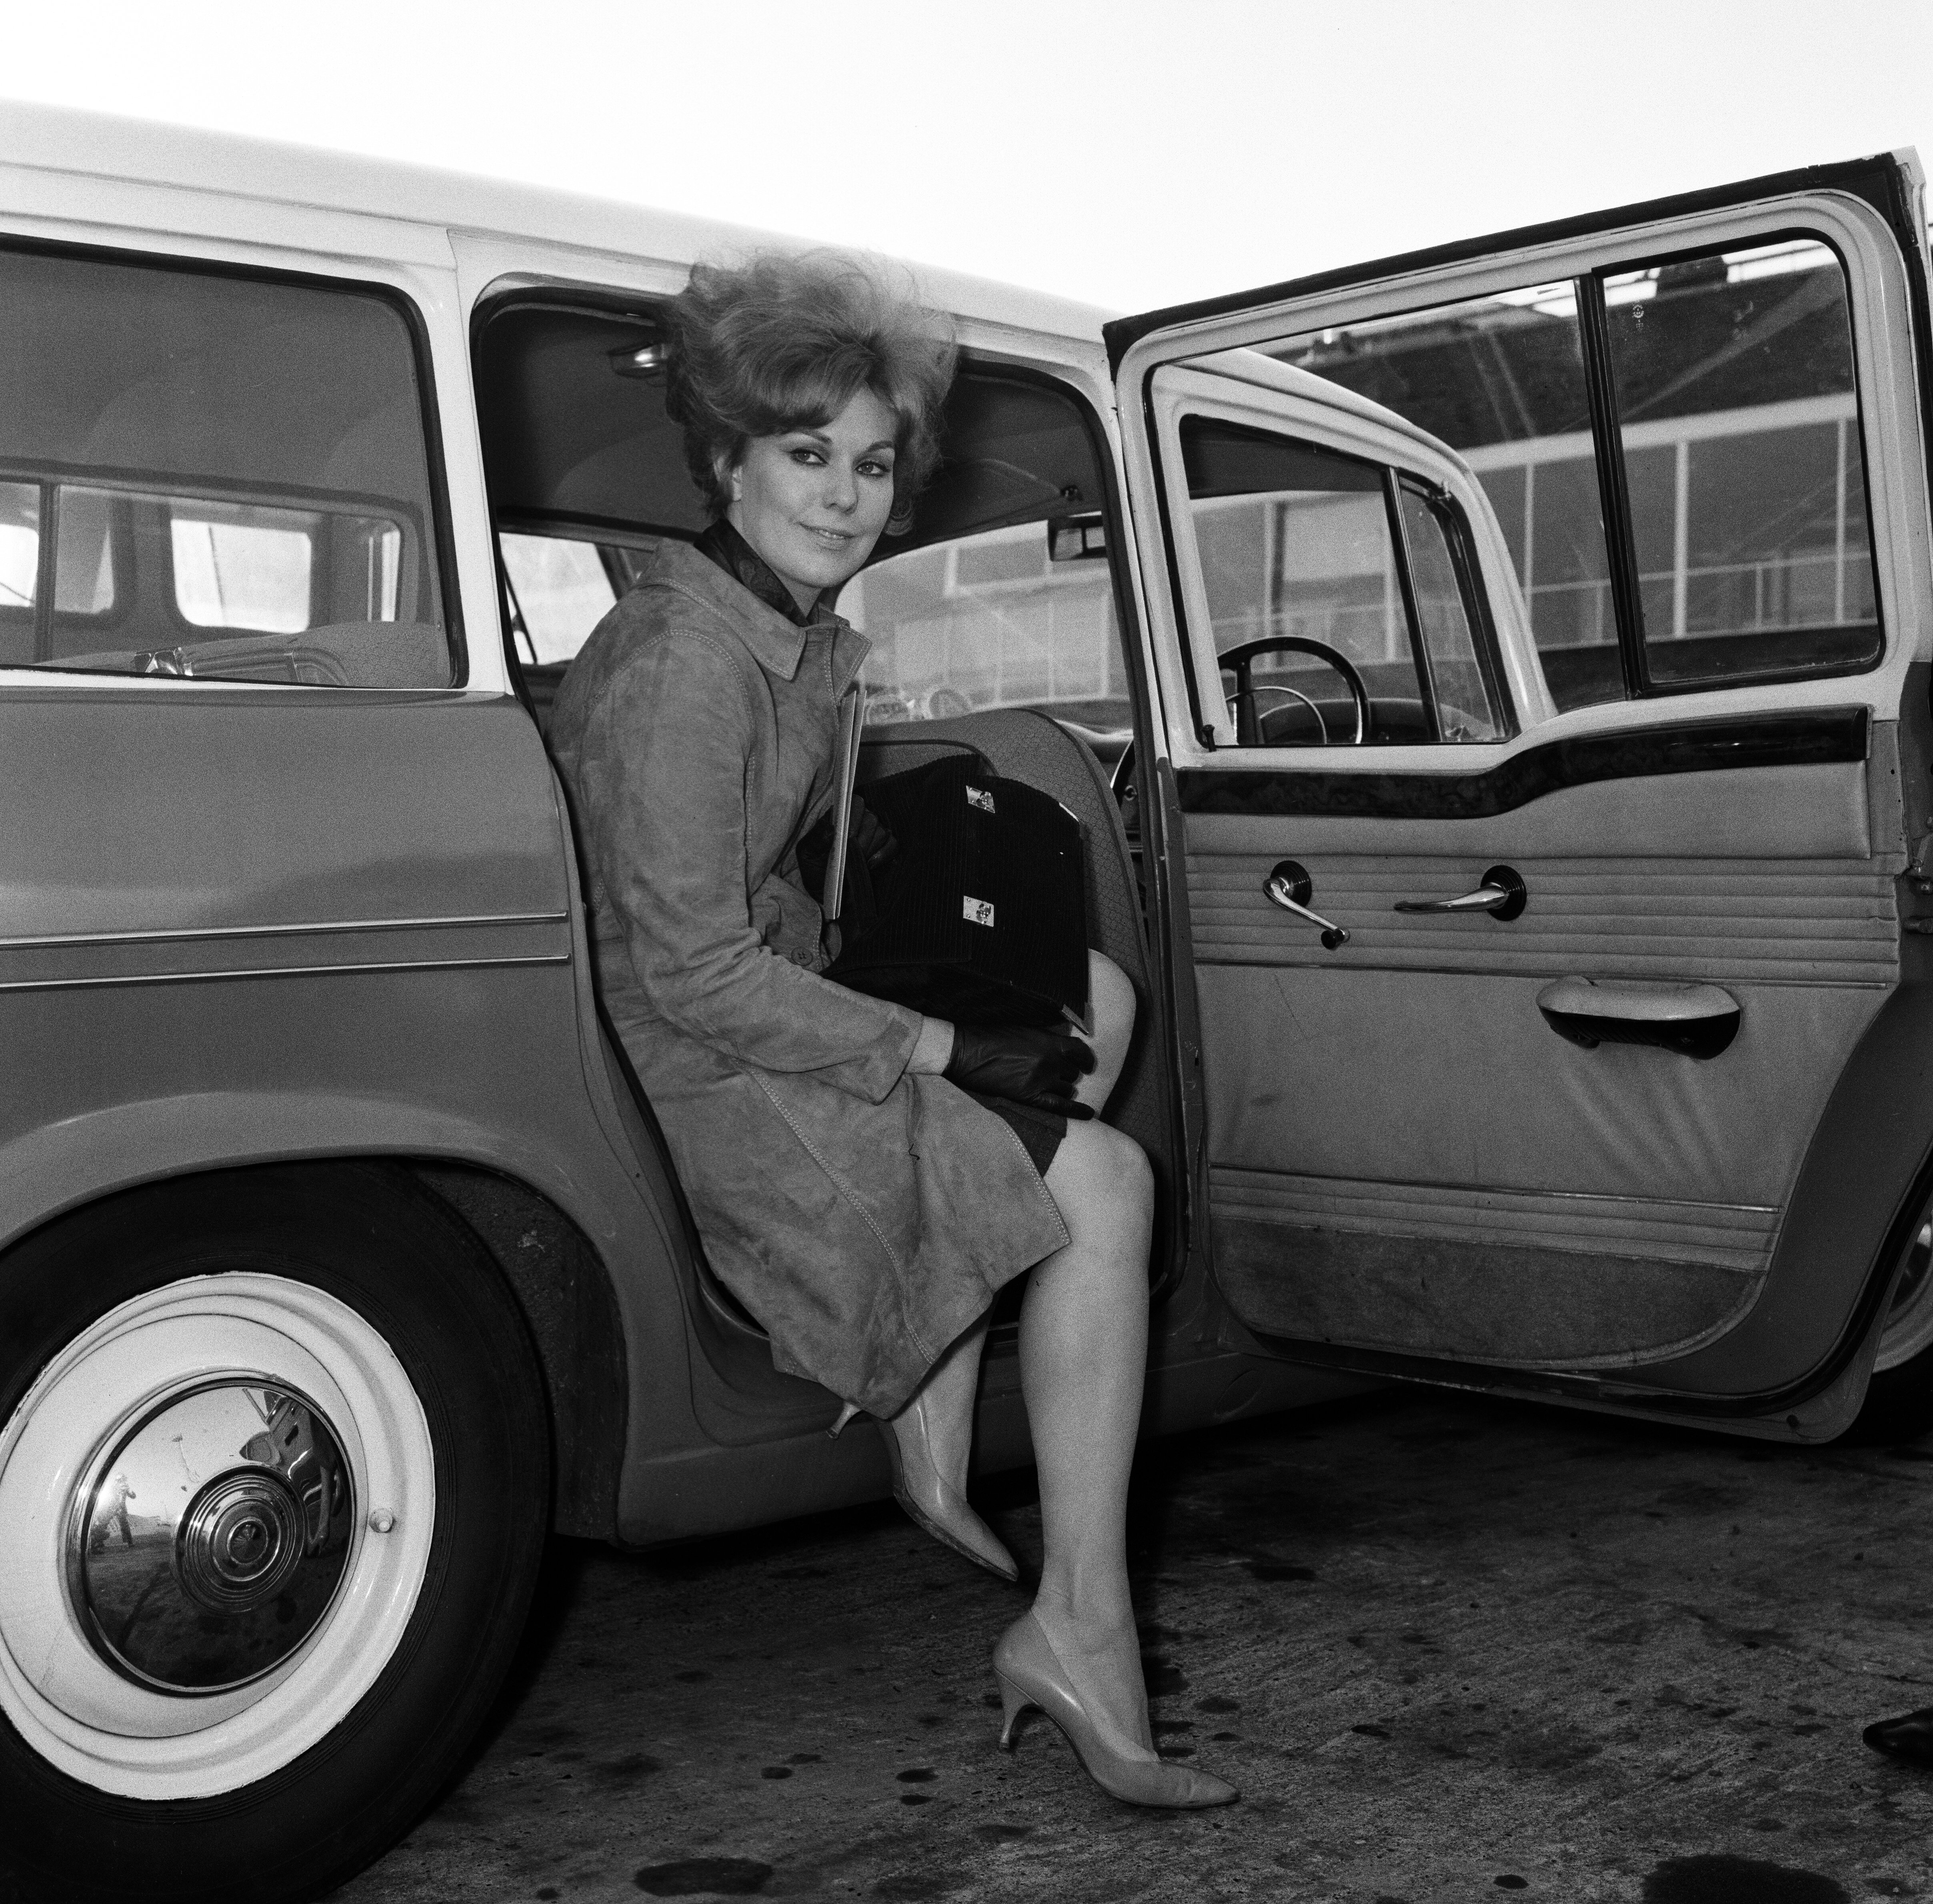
{"points": [[784, 342]]}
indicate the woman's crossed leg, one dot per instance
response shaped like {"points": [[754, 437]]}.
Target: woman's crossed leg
{"points": [[945, 1400]]}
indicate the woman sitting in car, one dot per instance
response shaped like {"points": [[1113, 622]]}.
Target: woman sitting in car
{"points": [[866, 1178]]}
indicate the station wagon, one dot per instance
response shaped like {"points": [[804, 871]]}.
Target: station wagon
{"points": [[1494, 684]]}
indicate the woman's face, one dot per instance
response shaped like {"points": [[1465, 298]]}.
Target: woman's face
{"points": [[813, 501]]}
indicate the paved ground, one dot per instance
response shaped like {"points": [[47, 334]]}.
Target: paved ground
{"points": [[1448, 1649]]}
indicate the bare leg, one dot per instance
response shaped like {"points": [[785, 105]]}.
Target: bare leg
{"points": [[1110, 999], [948, 1395], [1083, 1354]]}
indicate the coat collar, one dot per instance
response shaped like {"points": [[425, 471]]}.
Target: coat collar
{"points": [[722, 544], [776, 637]]}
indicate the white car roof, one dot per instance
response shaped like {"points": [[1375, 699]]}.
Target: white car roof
{"points": [[58, 140]]}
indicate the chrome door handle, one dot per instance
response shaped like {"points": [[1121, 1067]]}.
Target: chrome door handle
{"points": [[1502, 894], [1289, 886]]}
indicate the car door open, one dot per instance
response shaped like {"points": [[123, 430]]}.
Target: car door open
{"points": [[1539, 629]]}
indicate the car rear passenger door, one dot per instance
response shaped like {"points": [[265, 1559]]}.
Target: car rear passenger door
{"points": [[1560, 1029]]}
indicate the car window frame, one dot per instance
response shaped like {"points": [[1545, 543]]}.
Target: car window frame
{"points": [[1611, 455], [1447, 511], [439, 536], [1345, 428], [1893, 380], [1392, 481]]}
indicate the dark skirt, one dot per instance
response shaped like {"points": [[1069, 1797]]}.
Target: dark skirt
{"points": [[1040, 1132]]}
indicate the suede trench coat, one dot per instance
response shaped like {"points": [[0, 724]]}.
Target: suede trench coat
{"points": [[865, 1215]]}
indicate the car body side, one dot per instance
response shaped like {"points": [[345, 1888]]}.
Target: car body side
{"points": [[285, 923]]}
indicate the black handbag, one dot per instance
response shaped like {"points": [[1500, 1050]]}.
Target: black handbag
{"points": [[982, 917]]}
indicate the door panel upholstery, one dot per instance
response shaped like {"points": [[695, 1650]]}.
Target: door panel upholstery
{"points": [[1462, 1182], [1811, 922], [1543, 1303]]}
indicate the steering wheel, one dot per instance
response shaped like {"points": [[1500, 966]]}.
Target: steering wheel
{"points": [[1248, 727], [1241, 661]]}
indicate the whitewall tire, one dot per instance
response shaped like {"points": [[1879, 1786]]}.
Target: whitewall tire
{"points": [[274, 1478]]}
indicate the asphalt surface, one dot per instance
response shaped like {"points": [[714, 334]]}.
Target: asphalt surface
{"points": [[1449, 1649]]}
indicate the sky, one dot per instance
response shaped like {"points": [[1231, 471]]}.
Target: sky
{"points": [[1135, 154]]}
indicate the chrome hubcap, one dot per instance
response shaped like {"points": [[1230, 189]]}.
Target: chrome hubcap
{"points": [[208, 1542], [240, 1541]]}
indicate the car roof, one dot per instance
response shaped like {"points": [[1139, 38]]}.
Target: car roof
{"points": [[145, 151]]}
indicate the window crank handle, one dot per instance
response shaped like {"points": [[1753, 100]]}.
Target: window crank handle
{"points": [[1289, 886]]}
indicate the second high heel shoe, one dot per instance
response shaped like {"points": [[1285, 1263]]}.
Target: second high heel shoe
{"points": [[931, 1501], [1030, 1674]]}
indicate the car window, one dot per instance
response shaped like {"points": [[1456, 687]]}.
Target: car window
{"points": [[1299, 543], [222, 476], [84, 577], [20, 546], [560, 589], [993, 620], [1733, 375], [1738, 508], [231, 572]]}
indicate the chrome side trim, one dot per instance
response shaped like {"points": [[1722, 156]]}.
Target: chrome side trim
{"points": [[281, 971], [175, 934]]}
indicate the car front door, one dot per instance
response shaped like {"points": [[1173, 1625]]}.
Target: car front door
{"points": [[1542, 628]]}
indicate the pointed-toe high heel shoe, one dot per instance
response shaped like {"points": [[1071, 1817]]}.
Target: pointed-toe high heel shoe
{"points": [[931, 1503], [1030, 1674]]}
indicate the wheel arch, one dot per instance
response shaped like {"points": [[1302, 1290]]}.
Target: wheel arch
{"points": [[535, 1219], [565, 1290]]}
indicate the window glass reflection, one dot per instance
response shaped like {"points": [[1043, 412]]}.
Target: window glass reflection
{"points": [[1501, 380], [990, 620], [1735, 401]]}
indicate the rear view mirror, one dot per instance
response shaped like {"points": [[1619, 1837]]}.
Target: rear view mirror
{"points": [[1076, 538]]}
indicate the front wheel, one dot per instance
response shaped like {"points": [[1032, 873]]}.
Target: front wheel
{"points": [[274, 1474]]}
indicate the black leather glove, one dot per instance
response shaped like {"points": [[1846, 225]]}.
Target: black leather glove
{"points": [[1040, 1068]]}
